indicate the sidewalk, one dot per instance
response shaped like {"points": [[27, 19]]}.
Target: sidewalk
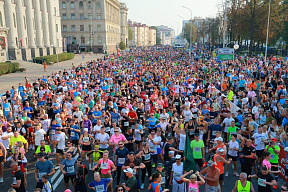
{"points": [[35, 71]]}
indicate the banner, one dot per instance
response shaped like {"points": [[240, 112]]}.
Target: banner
{"points": [[283, 159]]}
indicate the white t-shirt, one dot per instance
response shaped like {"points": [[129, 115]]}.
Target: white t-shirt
{"points": [[6, 141], [46, 124], [259, 140], [79, 115], [39, 135], [234, 145], [188, 115], [227, 122], [137, 135], [177, 172], [61, 140], [97, 128], [182, 141], [103, 138]]}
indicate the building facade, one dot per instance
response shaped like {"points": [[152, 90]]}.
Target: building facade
{"points": [[29, 28], [124, 23], [91, 25], [166, 34], [142, 35]]}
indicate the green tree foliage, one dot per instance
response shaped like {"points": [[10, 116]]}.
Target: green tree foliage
{"points": [[187, 32], [130, 33], [158, 38], [122, 45]]}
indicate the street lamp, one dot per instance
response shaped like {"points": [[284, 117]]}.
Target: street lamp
{"points": [[224, 24], [265, 60], [191, 29]]}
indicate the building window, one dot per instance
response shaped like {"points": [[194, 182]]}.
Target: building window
{"points": [[24, 22], [81, 4], [98, 27], [99, 40], [82, 39], [81, 16], [64, 27], [63, 5], [72, 5], [90, 28], [89, 4], [98, 16], [81, 27], [73, 16], [90, 15], [73, 28], [14, 20], [97, 5], [56, 28], [64, 16], [74, 40], [55, 13]]}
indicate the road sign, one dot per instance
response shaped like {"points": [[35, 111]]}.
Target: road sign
{"points": [[226, 51], [226, 54], [225, 57]]}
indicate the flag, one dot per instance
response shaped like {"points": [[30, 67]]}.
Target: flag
{"points": [[118, 52], [189, 163]]}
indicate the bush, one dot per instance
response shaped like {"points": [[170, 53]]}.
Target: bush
{"points": [[8, 68], [53, 58]]}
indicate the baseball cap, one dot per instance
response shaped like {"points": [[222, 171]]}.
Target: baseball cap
{"points": [[40, 155], [96, 146], [274, 139], [178, 157], [128, 170], [160, 165], [201, 117], [219, 139], [58, 114], [67, 190]]}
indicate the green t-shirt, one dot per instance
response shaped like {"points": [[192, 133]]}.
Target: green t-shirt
{"points": [[47, 149], [197, 148], [132, 184], [274, 156], [232, 130]]}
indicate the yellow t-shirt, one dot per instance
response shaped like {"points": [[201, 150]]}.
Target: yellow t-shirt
{"points": [[13, 141]]}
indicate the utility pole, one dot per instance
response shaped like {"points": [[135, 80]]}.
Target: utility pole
{"points": [[191, 30]]}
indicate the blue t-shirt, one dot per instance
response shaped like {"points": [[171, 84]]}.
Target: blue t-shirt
{"points": [[74, 135], [152, 122], [121, 155], [213, 128], [115, 117], [100, 186], [28, 109], [69, 166], [96, 114], [44, 168]]}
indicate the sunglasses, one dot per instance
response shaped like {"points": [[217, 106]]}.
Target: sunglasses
{"points": [[115, 131], [68, 143], [120, 189], [120, 144]]}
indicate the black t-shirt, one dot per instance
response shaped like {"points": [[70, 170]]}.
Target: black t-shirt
{"points": [[129, 137], [133, 164], [248, 151], [166, 151], [19, 176], [81, 174], [264, 178]]}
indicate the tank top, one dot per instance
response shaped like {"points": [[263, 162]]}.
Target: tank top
{"points": [[193, 187], [219, 165], [18, 158], [86, 139], [147, 156], [191, 127], [220, 146], [243, 189]]}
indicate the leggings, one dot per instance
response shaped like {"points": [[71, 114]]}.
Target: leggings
{"points": [[119, 170], [149, 169]]}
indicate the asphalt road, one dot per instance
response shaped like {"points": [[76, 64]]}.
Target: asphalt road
{"points": [[58, 181]]}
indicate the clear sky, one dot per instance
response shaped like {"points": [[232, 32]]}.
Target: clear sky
{"points": [[164, 12]]}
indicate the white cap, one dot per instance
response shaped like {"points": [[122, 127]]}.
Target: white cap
{"points": [[58, 114], [128, 170], [186, 98], [286, 149], [219, 139], [85, 129], [178, 157]]}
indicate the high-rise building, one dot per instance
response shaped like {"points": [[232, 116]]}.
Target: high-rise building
{"points": [[93, 25], [29, 28]]}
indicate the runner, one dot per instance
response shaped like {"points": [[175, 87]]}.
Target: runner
{"points": [[68, 169], [176, 172], [100, 184], [155, 185], [212, 177], [243, 185], [193, 183], [121, 156], [265, 180], [85, 140], [43, 167]]}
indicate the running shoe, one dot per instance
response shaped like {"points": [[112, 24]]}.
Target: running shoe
{"points": [[142, 186], [226, 174], [153, 165], [1, 180], [236, 174]]}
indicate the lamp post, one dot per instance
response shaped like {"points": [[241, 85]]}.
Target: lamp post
{"points": [[267, 34], [191, 30], [224, 24]]}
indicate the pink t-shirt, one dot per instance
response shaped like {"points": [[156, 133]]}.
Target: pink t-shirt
{"points": [[267, 164], [115, 139], [105, 164]]}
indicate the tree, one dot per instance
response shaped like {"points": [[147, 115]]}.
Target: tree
{"points": [[158, 38], [122, 45], [187, 32], [202, 31], [130, 33]]}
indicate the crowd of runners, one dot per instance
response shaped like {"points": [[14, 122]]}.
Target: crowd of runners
{"points": [[129, 117]]}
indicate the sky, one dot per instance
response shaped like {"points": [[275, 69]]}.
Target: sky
{"points": [[164, 12]]}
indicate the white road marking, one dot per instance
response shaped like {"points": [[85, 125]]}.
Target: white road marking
{"points": [[58, 182], [55, 175]]}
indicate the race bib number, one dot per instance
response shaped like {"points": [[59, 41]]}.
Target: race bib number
{"points": [[141, 116], [41, 174], [121, 161], [163, 180], [72, 134], [197, 149], [151, 89], [104, 166], [214, 133], [86, 139], [134, 171], [195, 115], [191, 132], [100, 188], [14, 181], [192, 189], [27, 110], [152, 147], [95, 163], [177, 175], [53, 131], [261, 182], [7, 109], [71, 169], [107, 129], [126, 124], [147, 157], [176, 103]]}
